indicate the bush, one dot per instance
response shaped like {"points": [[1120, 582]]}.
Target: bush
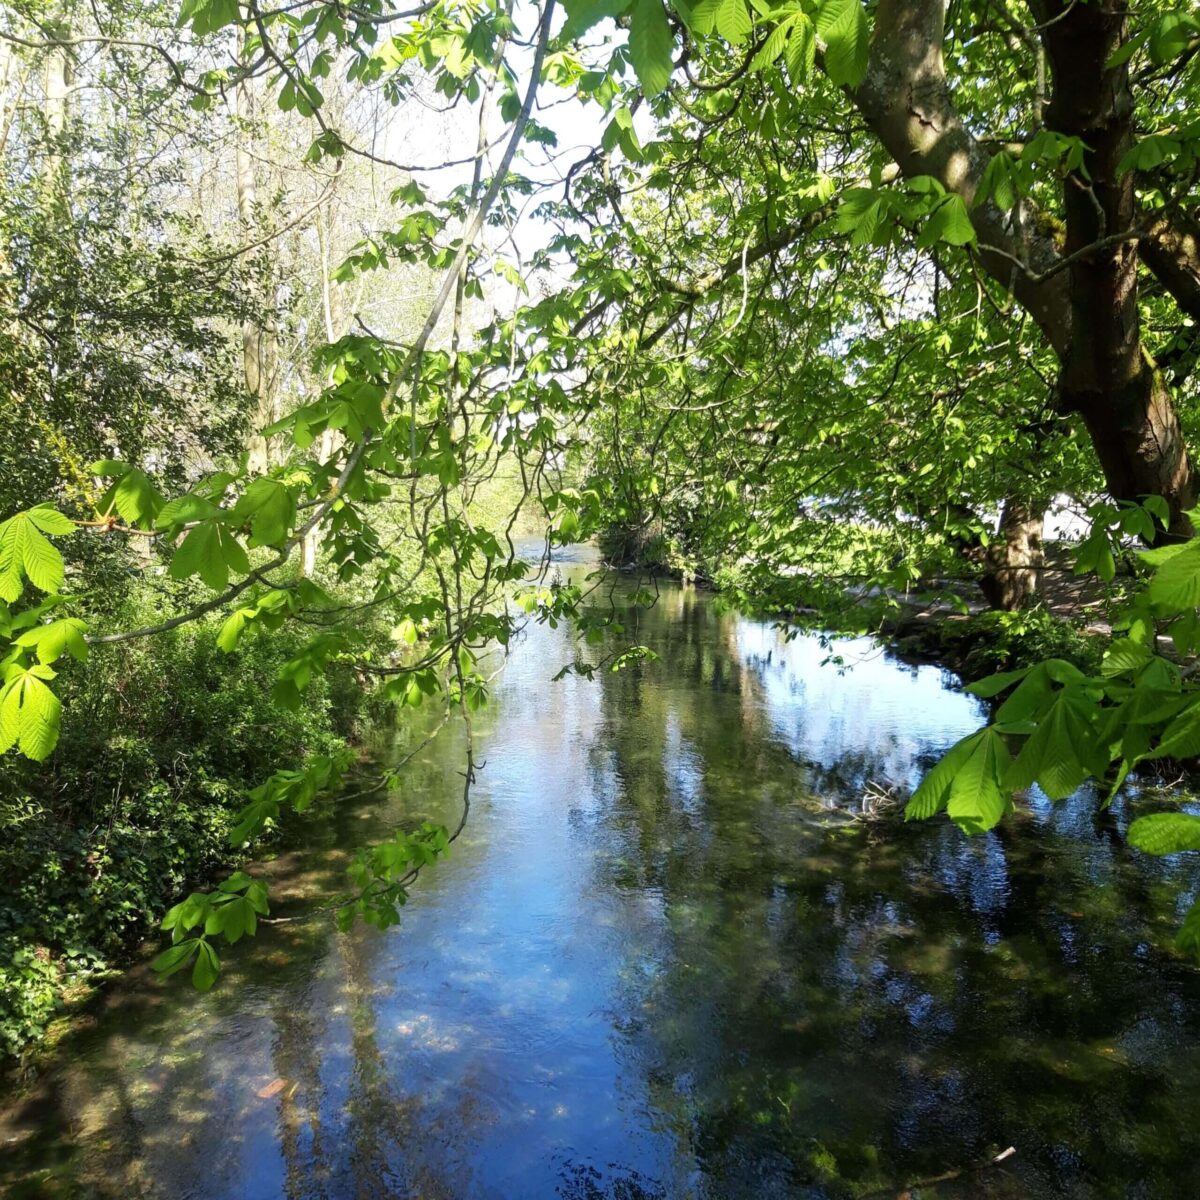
{"points": [[161, 737]]}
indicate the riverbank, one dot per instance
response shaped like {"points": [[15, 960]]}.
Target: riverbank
{"points": [[952, 628], [136, 806]]}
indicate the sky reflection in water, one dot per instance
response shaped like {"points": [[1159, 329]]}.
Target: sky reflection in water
{"points": [[663, 963]]}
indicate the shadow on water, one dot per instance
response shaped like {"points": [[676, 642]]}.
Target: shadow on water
{"points": [[664, 962]]}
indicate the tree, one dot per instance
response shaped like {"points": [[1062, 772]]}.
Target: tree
{"points": [[813, 297]]}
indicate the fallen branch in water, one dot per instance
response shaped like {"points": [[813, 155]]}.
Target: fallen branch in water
{"points": [[906, 1193]]}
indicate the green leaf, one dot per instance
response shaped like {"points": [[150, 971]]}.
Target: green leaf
{"points": [[233, 551], [1181, 738], [950, 223], [42, 563], [49, 520], [651, 45], [25, 552], [934, 791], [801, 51], [1187, 941], [729, 18], [29, 715], [270, 508], [52, 640], [583, 14], [999, 182], [183, 510], [232, 629], [200, 553], [132, 496], [993, 685], [1158, 507], [1053, 755], [1165, 833], [977, 797], [842, 26], [207, 968], [176, 957], [1171, 37], [1124, 656], [1175, 585]]}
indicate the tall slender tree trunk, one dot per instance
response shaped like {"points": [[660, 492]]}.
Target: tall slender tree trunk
{"points": [[259, 337], [332, 309], [57, 90], [1015, 562]]}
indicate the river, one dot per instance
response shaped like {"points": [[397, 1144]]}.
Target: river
{"points": [[664, 960]]}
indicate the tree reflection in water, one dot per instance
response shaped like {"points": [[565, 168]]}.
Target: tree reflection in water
{"points": [[664, 962]]}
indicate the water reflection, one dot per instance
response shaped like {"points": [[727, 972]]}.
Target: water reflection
{"points": [[663, 962]]}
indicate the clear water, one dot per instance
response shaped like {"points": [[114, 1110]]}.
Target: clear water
{"points": [[664, 961]]}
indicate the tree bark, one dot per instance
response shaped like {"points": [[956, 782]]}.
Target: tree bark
{"points": [[1015, 563], [57, 83], [1107, 378], [1088, 312], [905, 99], [334, 314], [1171, 249], [259, 338]]}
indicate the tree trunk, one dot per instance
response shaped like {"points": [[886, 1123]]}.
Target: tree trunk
{"points": [[1015, 563], [259, 339], [1088, 312], [57, 82], [333, 311], [1106, 376]]}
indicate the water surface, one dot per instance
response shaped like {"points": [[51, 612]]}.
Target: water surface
{"points": [[664, 961]]}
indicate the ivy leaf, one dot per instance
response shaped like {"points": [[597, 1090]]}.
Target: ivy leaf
{"points": [[650, 45], [842, 26], [1165, 833]]}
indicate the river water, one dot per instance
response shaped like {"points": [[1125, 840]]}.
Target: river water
{"points": [[665, 961]]}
